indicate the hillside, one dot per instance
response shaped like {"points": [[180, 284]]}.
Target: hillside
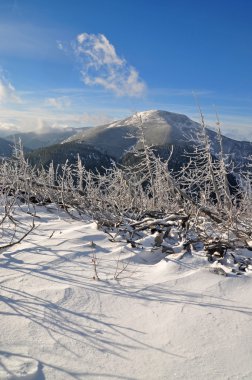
{"points": [[60, 153], [161, 128], [35, 140], [5, 148]]}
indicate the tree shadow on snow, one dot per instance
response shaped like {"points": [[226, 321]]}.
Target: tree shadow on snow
{"points": [[64, 325]]}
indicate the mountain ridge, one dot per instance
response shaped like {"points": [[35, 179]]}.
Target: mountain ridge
{"points": [[160, 128], [35, 140]]}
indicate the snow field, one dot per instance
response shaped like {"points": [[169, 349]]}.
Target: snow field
{"points": [[164, 318]]}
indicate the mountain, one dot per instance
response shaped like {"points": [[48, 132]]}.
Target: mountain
{"points": [[6, 148], [35, 140], [60, 153], [161, 129], [98, 145]]}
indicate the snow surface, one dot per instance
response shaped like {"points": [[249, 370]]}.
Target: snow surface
{"points": [[164, 318]]}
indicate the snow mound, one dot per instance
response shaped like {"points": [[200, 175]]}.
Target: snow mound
{"points": [[15, 367]]}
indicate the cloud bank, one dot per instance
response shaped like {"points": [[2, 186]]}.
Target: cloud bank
{"points": [[100, 65], [59, 103], [8, 93]]}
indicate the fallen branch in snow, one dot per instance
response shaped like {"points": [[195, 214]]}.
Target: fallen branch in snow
{"points": [[21, 239], [52, 234], [119, 271], [200, 208]]}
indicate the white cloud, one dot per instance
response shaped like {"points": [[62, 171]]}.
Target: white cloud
{"points": [[61, 102], [100, 65], [38, 125], [89, 119], [8, 92], [98, 49], [233, 126], [7, 129], [47, 126], [43, 120]]}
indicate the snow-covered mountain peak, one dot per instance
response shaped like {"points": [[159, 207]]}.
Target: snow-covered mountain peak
{"points": [[160, 128], [136, 119], [151, 117], [150, 114]]}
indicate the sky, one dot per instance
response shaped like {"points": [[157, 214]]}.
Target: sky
{"points": [[76, 63]]}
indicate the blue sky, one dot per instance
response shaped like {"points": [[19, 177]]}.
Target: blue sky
{"points": [[77, 63]]}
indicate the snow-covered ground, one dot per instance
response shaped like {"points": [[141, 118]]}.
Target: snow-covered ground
{"points": [[163, 318]]}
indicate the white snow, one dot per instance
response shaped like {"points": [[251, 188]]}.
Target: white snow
{"points": [[164, 318], [146, 117], [17, 367]]}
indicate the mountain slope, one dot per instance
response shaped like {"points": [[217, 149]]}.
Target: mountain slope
{"points": [[161, 128], [34, 140], [5, 148], [60, 153]]}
